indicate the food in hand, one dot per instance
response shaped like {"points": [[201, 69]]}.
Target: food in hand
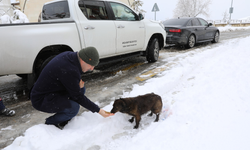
{"points": [[107, 112]]}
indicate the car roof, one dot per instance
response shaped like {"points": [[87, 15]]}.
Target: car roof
{"points": [[178, 21]]}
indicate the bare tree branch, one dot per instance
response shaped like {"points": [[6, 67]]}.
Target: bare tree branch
{"points": [[192, 8], [225, 16], [136, 4]]}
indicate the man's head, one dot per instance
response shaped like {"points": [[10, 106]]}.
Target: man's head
{"points": [[89, 58]]}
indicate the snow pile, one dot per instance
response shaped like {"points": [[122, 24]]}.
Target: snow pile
{"points": [[229, 28], [5, 19], [18, 17], [206, 107]]}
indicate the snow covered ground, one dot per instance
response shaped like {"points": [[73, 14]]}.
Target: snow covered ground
{"points": [[229, 28], [206, 107]]}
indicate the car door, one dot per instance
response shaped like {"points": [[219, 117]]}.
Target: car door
{"points": [[130, 30], [98, 29], [198, 29], [209, 32]]}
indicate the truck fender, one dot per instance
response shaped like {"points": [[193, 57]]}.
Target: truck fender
{"points": [[43, 58], [155, 44]]}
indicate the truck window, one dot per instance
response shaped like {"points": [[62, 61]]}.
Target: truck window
{"points": [[123, 13], [56, 10], [93, 10]]}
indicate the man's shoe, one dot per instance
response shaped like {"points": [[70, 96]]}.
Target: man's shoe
{"points": [[60, 125], [7, 112]]}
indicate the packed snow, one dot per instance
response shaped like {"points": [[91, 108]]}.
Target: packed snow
{"points": [[18, 17], [228, 28], [206, 106]]}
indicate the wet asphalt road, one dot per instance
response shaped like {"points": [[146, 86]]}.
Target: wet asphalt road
{"points": [[103, 81]]}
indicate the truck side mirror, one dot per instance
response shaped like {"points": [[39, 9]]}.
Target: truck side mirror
{"points": [[210, 24], [141, 16]]}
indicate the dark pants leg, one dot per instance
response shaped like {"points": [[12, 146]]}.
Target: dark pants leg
{"points": [[66, 114], [2, 107]]}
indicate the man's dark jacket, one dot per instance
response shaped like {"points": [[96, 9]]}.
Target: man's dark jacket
{"points": [[58, 83]]}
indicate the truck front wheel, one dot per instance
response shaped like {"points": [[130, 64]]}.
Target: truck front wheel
{"points": [[153, 50]]}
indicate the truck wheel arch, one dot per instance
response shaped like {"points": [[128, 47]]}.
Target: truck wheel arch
{"points": [[46, 53], [156, 39]]}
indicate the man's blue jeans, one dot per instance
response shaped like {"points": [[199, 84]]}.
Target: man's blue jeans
{"points": [[66, 114]]}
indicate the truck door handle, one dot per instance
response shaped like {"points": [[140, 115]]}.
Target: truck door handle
{"points": [[121, 26], [89, 28]]}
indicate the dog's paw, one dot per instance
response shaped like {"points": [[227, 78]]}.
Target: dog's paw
{"points": [[150, 115], [136, 127], [131, 120], [156, 120]]}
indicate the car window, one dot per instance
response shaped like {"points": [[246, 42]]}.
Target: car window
{"points": [[203, 22], [123, 13], [175, 22], [57, 10], [189, 24], [196, 22], [93, 10]]}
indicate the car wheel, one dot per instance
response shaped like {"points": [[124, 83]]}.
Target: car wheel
{"points": [[191, 41], [153, 51], [216, 37]]}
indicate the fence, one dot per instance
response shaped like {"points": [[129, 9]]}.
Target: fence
{"points": [[3, 12], [3, 9], [6, 9]]}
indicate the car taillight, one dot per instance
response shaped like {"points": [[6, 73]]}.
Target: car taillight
{"points": [[175, 30]]}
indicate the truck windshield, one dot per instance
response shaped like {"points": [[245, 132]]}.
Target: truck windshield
{"points": [[56, 10]]}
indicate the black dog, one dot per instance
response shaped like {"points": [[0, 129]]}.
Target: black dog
{"points": [[136, 106]]}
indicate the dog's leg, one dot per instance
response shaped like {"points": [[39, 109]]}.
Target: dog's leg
{"points": [[151, 114], [157, 117], [131, 120], [137, 120]]}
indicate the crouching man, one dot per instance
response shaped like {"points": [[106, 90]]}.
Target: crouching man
{"points": [[60, 89]]}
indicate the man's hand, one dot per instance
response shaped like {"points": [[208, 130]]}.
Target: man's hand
{"points": [[105, 113], [81, 84]]}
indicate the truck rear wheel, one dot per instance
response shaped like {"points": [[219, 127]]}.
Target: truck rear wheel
{"points": [[41, 63], [45, 63], [153, 50]]}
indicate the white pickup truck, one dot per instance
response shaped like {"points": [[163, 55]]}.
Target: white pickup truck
{"points": [[70, 25]]}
